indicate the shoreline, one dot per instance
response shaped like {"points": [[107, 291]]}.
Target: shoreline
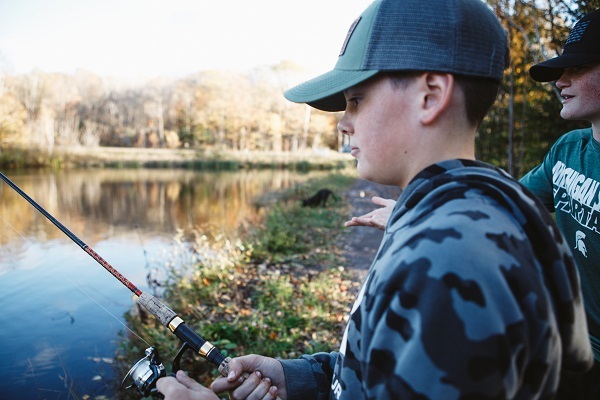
{"points": [[133, 157]]}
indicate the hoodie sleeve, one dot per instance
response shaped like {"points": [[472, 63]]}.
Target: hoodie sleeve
{"points": [[309, 377]]}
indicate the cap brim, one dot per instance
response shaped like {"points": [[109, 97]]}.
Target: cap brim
{"points": [[551, 70], [325, 91]]}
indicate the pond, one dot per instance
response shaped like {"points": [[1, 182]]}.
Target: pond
{"points": [[61, 312]]}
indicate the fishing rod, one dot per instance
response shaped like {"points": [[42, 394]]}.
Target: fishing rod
{"points": [[149, 369]]}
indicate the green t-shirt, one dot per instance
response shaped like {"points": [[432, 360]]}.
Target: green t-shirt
{"points": [[568, 183]]}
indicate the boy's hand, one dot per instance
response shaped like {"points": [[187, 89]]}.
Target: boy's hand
{"points": [[265, 380], [377, 218], [182, 387]]}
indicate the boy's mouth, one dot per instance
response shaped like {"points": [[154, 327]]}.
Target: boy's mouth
{"points": [[565, 96]]}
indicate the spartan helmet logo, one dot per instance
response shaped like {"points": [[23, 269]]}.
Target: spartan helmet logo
{"points": [[579, 244]]}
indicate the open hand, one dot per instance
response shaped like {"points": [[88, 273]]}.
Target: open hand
{"points": [[377, 218]]}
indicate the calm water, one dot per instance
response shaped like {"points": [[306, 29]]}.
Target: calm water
{"points": [[57, 335]]}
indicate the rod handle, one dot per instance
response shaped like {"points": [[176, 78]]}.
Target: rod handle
{"points": [[202, 346], [197, 343]]}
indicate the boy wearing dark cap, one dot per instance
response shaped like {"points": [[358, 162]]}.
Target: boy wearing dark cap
{"points": [[473, 293], [568, 180]]}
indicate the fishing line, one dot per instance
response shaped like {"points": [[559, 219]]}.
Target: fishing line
{"points": [[137, 231], [13, 228], [191, 340], [105, 309], [80, 288]]}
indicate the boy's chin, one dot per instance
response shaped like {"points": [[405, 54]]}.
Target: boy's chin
{"points": [[374, 177]]}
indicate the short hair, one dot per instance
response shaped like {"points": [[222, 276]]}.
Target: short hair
{"points": [[479, 93]]}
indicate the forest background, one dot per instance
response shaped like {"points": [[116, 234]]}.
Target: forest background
{"points": [[44, 116]]}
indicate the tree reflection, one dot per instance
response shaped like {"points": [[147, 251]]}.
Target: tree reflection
{"points": [[93, 203]]}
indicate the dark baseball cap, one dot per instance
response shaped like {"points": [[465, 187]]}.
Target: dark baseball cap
{"points": [[582, 47], [455, 36]]}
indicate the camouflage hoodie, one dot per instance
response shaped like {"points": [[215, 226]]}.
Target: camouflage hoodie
{"points": [[472, 295]]}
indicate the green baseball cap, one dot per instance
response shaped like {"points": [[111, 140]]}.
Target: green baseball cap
{"points": [[455, 36]]}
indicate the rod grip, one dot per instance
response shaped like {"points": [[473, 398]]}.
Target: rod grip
{"points": [[157, 308], [197, 343]]}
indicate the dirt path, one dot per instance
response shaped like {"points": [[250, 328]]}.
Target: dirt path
{"points": [[361, 243]]}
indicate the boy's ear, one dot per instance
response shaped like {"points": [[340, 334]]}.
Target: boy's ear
{"points": [[438, 90]]}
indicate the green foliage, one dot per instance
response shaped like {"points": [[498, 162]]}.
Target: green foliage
{"points": [[290, 231], [21, 158], [278, 291]]}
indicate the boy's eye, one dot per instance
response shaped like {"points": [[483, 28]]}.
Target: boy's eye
{"points": [[583, 67], [354, 101]]}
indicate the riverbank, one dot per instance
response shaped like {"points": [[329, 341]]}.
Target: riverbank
{"points": [[130, 157]]}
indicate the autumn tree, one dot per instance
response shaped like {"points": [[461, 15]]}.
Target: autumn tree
{"points": [[525, 120]]}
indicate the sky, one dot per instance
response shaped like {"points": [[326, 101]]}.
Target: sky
{"points": [[151, 38]]}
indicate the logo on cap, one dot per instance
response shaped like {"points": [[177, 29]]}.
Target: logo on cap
{"points": [[350, 31], [577, 32]]}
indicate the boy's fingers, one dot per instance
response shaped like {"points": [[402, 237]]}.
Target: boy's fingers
{"points": [[251, 387], [188, 382]]}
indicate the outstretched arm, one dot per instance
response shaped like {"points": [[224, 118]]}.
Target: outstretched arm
{"points": [[377, 218]]}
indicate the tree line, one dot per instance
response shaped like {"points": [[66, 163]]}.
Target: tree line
{"points": [[247, 112], [229, 110]]}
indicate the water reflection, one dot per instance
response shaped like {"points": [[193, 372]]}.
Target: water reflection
{"points": [[53, 332], [93, 204]]}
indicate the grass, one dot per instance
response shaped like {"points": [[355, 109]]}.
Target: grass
{"points": [[279, 290]]}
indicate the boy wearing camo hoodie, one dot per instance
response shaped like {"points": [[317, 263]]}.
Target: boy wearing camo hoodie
{"points": [[474, 293]]}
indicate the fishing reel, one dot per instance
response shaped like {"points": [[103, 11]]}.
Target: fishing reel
{"points": [[146, 371], [144, 374]]}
